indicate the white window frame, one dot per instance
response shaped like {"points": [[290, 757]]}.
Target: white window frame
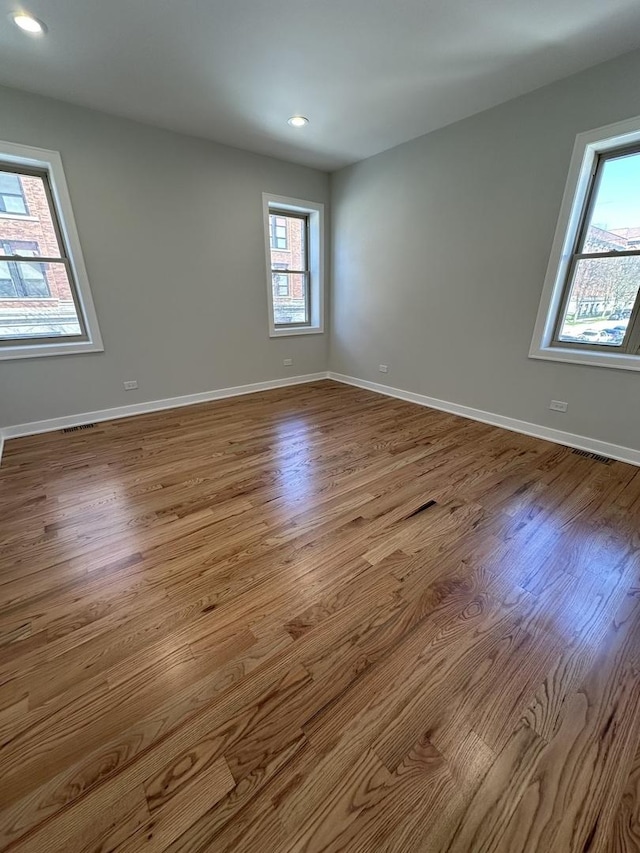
{"points": [[315, 211], [51, 162], [587, 148]]}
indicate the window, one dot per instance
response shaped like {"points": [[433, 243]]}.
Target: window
{"points": [[19, 281], [603, 277], [282, 285], [290, 294], [45, 302], [294, 252], [12, 198], [278, 231], [281, 281], [590, 308]]}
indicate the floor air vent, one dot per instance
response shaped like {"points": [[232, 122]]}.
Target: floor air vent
{"points": [[595, 456], [78, 428]]}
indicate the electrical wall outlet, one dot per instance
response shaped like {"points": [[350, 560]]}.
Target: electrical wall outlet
{"points": [[288, 362], [130, 384], [558, 406], [383, 368]]}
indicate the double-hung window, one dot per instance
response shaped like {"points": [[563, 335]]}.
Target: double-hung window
{"points": [[290, 268], [45, 302], [294, 253], [590, 309]]}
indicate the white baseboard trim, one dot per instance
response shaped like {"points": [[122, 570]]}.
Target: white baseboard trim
{"points": [[151, 406], [557, 436], [581, 442]]}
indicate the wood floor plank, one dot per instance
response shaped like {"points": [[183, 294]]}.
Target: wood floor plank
{"points": [[101, 825], [252, 797], [175, 806], [625, 836]]}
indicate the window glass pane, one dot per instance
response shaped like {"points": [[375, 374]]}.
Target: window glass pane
{"points": [[278, 232], [281, 283], [7, 287], [38, 230], [289, 298], [14, 204], [26, 248], [288, 242], [10, 183], [11, 194], [30, 280], [34, 278], [614, 223], [37, 303], [601, 298]]}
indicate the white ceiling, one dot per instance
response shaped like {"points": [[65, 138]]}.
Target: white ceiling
{"points": [[369, 73]]}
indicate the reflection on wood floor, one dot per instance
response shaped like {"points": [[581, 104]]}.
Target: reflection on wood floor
{"points": [[317, 619]]}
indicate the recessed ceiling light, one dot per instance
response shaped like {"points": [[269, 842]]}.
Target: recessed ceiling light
{"points": [[28, 23], [298, 121]]}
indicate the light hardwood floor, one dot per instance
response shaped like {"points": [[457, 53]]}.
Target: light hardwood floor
{"points": [[317, 619]]}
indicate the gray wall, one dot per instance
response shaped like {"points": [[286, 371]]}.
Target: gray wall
{"points": [[172, 235], [440, 251]]}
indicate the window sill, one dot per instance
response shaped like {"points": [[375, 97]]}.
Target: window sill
{"points": [[295, 330], [39, 350], [619, 361], [22, 217]]}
